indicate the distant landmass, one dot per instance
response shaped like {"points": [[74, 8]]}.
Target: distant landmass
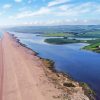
{"points": [[60, 28]]}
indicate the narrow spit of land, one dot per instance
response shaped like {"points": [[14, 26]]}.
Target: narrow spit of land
{"points": [[1, 70], [22, 76]]}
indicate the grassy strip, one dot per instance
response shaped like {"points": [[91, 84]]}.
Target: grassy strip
{"points": [[61, 41], [94, 34], [94, 45], [57, 34]]}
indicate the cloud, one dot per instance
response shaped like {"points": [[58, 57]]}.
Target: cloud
{"points": [[25, 14], [63, 13], [79, 10], [66, 10], [7, 6], [57, 2], [18, 1]]}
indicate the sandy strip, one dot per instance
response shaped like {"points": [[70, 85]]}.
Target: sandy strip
{"points": [[1, 70], [24, 77], [23, 74]]}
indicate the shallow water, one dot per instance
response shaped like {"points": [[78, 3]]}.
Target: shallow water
{"points": [[82, 65]]}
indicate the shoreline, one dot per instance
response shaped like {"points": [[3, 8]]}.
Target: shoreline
{"points": [[60, 76], [90, 48], [93, 45]]}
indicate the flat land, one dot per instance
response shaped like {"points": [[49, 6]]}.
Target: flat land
{"points": [[57, 34], [24, 78]]}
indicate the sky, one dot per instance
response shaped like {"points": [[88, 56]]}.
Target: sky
{"points": [[49, 12]]}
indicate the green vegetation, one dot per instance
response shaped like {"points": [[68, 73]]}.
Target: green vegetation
{"points": [[88, 90], [61, 41], [94, 47], [94, 43], [57, 34], [94, 34]]}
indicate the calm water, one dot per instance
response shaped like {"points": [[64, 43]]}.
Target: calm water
{"points": [[1, 34], [82, 65]]}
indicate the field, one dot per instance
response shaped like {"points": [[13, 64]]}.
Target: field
{"points": [[94, 45], [57, 35], [94, 34]]}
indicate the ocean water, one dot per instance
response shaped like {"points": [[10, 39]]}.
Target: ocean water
{"points": [[80, 64]]}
